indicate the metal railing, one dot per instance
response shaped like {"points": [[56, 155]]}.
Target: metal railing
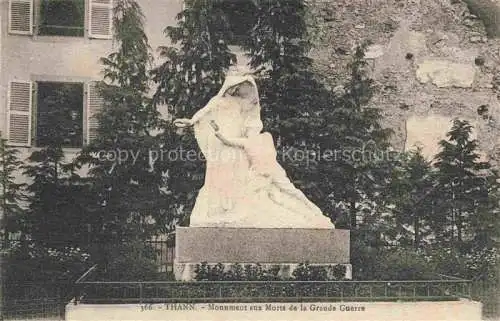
{"points": [[270, 291], [34, 301], [165, 253]]}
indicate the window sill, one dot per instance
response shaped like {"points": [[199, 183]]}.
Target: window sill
{"points": [[60, 39], [69, 150]]}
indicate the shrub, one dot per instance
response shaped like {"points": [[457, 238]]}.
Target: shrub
{"points": [[28, 262], [307, 272], [255, 272], [132, 261]]}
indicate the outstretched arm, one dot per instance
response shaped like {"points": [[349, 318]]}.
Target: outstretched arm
{"points": [[187, 122], [233, 142]]}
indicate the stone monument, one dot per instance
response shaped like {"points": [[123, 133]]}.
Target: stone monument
{"points": [[248, 210]]}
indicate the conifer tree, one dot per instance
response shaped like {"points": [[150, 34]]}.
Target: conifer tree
{"points": [[464, 185], [293, 97], [54, 214], [312, 127], [11, 192], [411, 191], [127, 202], [193, 71], [366, 159]]}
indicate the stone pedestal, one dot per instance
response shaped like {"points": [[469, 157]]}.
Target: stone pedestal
{"points": [[283, 247]]}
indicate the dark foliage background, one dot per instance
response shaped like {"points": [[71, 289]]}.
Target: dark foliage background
{"points": [[409, 216]]}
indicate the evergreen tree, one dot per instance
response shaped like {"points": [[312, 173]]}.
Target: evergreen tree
{"points": [[463, 185], [307, 120], [54, 215], [485, 224], [127, 200], [292, 97], [280, 42], [366, 159], [411, 191], [11, 192], [193, 71]]}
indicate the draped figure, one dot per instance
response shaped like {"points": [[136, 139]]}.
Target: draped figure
{"points": [[244, 184]]}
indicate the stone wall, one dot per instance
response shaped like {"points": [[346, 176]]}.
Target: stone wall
{"points": [[432, 61]]}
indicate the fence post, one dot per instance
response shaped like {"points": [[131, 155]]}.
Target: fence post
{"points": [[2, 296], [60, 299], [76, 293], [140, 293]]}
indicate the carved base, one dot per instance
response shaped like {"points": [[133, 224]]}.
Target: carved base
{"points": [[284, 247]]}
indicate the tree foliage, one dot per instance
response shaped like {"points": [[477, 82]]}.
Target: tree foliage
{"points": [[257, 272], [361, 170], [127, 201], [411, 190], [11, 191], [55, 214], [192, 71], [466, 186], [316, 132]]}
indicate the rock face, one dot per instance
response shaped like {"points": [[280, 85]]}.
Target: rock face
{"points": [[431, 60], [443, 73], [426, 132]]}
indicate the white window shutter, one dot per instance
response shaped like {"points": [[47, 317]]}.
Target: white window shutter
{"points": [[21, 17], [95, 104], [20, 106], [100, 19]]}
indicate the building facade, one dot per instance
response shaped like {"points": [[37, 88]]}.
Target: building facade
{"points": [[49, 53]]}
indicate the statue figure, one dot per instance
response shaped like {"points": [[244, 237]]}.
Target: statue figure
{"points": [[244, 184]]}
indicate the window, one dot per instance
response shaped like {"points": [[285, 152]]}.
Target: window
{"points": [[41, 113], [62, 18], [241, 16], [59, 114]]}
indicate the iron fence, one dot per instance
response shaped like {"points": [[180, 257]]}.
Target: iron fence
{"points": [[488, 293], [165, 254], [34, 301], [270, 291]]}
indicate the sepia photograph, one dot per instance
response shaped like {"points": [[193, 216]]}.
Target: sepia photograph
{"points": [[249, 160]]}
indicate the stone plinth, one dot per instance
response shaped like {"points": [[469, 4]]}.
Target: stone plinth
{"points": [[267, 246]]}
